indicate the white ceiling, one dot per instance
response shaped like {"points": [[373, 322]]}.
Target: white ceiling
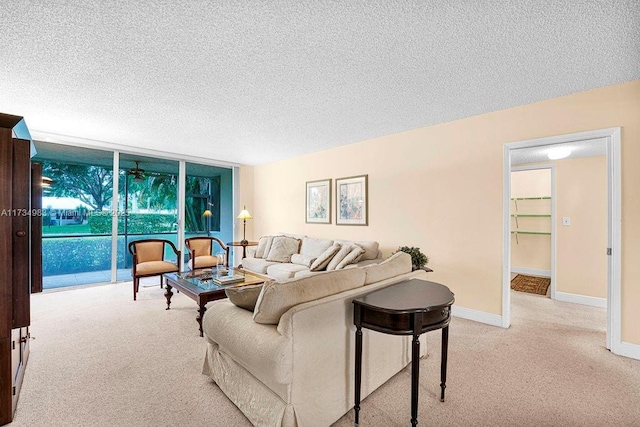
{"points": [[253, 82]]}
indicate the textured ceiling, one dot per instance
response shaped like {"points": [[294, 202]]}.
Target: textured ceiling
{"points": [[256, 81], [585, 148]]}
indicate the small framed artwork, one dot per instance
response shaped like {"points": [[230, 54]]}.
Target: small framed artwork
{"points": [[318, 200], [351, 201]]}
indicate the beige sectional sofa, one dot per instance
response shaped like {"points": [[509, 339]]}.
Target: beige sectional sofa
{"points": [[290, 362], [297, 261]]}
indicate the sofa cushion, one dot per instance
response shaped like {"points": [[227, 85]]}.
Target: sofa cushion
{"points": [[282, 247], [244, 296], [370, 247], [396, 264], [352, 257], [258, 265], [278, 297], [314, 247], [302, 260], [264, 244], [324, 258], [283, 271]]}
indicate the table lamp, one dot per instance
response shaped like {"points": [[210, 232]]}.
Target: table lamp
{"points": [[244, 216]]}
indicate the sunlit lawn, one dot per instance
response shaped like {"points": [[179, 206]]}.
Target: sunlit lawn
{"points": [[66, 229]]}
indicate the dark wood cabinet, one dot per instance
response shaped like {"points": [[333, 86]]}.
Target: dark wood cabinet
{"points": [[15, 259]]}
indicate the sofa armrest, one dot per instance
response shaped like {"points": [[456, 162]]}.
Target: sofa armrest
{"points": [[260, 349], [251, 252]]}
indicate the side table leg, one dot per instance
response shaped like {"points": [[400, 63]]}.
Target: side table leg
{"points": [[358, 372], [415, 375], [201, 311], [443, 362], [168, 294]]}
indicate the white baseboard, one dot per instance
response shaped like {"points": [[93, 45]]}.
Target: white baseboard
{"points": [[581, 299], [476, 315], [531, 271], [628, 349]]}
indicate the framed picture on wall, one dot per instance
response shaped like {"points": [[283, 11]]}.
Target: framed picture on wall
{"points": [[351, 201], [318, 201]]}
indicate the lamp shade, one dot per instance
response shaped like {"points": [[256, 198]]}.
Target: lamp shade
{"points": [[207, 213], [245, 214]]}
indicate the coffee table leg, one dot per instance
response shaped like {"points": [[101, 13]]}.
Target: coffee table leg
{"points": [[415, 375], [443, 362], [168, 294], [358, 371], [201, 311]]}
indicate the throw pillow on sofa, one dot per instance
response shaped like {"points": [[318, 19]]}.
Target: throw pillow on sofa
{"points": [[244, 296], [276, 298], [352, 257], [300, 259], [341, 255], [264, 244], [324, 258], [282, 247]]}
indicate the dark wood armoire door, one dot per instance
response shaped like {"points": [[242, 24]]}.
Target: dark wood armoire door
{"points": [[15, 261]]}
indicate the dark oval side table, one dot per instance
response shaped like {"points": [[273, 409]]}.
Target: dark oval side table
{"points": [[406, 308]]}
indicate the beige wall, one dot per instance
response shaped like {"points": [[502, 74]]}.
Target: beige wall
{"points": [[440, 188], [581, 194], [531, 251]]}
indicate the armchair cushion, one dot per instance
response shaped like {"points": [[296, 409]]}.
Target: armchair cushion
{"points": [[200, 246], [205, 261], [149, 251], [151, 268]]}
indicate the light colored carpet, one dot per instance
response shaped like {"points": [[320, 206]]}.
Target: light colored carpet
{"points": [[100, 359]]}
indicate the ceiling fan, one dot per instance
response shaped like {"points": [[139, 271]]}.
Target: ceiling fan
{"points": [[138, 174]]}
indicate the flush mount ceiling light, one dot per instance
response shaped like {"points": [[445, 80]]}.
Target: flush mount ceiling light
{"points": [[138, 174], [558, 153]]}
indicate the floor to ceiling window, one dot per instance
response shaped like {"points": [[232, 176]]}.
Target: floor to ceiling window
{"points": [[208, 202], [78, 211], [148, 195], [76, 250]]}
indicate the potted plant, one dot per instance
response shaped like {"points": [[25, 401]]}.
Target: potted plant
{"points": [[418, 259]]}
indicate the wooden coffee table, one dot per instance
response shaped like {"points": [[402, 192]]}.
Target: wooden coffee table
{"points": [[196, 286]]}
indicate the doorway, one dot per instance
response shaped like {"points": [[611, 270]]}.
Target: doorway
{"points": [[532, 228], [611, 139]]}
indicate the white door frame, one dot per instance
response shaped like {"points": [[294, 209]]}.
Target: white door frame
{"points": [[552, 167], [614, 264]]}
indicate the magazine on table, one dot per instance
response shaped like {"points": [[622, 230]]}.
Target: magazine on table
{"points": [[228, 280]]}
